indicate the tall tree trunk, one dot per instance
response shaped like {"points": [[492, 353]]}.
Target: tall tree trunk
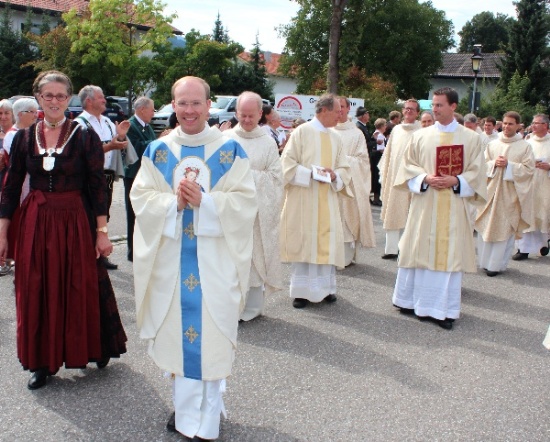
{"points": [[334, 45]]}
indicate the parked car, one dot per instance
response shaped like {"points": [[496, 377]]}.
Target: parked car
{"points": [[224, 107], [122, 102]]}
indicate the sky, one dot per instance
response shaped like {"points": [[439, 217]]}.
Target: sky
{"points": [[245, 18]]}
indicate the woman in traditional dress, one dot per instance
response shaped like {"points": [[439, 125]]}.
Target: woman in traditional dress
{"points": [[66, 309]]}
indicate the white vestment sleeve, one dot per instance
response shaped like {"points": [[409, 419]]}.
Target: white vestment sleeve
{"points": [[338, 184], [508, 173], [465, 189], [206, 221], [415, 184], [302, 177], [170, 220]]}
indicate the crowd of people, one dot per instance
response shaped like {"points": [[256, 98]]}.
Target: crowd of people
{"points": [[212, 213]]}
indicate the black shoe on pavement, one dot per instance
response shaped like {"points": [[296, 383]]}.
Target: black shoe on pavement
{"points": [[103, 363], [446, 323], [171, 424], [109, 265], [406, 311], [330, 299], [299, 302], [389, 256], [491, 273], [38, 379], [377, 203], [520, 256]]}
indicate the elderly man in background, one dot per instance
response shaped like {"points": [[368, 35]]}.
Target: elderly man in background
{"points": [[113, 138], [535, 238], [509, 208], [426, 119], [315, 169], [140, 135], [356, 213], [396, 199], [261, 149], [195, 202]]}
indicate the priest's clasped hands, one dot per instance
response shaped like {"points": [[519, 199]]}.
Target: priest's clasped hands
{"points": [[189, 192], [501, 161], [441, 182]]}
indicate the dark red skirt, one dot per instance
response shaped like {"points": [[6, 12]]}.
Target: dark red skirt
{"points": [[57, 285]]}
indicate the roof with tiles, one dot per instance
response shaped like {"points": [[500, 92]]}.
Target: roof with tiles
{"points": [[460, 66], [49, 5], [272, 61]]}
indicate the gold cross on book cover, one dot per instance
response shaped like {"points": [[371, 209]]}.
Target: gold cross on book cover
{"points": [[449, 160]]}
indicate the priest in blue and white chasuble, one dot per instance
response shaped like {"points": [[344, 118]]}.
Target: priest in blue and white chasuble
{"points": [[191, 268]]}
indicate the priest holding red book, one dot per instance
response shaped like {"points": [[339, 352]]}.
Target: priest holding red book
{"points": [[444, 169]]}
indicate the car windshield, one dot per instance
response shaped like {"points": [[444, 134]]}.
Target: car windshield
{"points": [[75, 101], [221, 103], [166, 109]]}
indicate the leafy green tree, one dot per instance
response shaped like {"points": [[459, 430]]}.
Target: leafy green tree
{"points": [[491, 31], [527, 51], [399, 40], [118, 34], [257, 78], [16, 53]]}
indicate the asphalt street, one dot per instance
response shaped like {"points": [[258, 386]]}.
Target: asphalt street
{"points": [[356, 370]]}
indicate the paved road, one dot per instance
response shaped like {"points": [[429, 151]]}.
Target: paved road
{"points": [[353, 371]]}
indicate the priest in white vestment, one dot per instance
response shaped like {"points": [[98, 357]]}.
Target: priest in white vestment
{"points": [[356, 212], [315, 169], [396, 200], [437, 245], [509, 208], [263, 154], [536, 239], [195, 205]]}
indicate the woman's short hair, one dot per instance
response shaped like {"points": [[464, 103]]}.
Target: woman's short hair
{"points": [[24, 104], [51, 77]]}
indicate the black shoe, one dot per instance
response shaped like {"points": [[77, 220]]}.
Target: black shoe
{"points": [[377, 203], [446, 323], [406, 311], [520, 256], [389, 256], [299, 302], [330, 299], [38, 379], [109, 265], [171, 424], [103, 363], [491, 273]]}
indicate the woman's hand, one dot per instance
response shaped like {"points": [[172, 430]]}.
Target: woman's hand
{"points": [[103, 246]]}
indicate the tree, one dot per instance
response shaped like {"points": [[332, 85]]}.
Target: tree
{"points": [[220, 34], [491, 31], [117, 33], [257, 78], [399, 40], [527, 52], [333, 75], [16, 53]]}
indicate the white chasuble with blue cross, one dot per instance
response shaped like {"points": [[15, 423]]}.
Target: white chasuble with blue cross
{"points": [[213, 245]]}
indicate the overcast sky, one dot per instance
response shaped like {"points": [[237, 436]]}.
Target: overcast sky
{"points": [[245, 18]]}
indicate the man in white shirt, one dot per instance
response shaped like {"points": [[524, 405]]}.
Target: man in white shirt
{"points": [[113, 138]]}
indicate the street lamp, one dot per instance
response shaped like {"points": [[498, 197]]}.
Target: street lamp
{"points": [[476, 66]]}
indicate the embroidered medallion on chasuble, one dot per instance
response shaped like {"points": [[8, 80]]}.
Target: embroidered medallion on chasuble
{"points": [[207, 172], [449, 160]]}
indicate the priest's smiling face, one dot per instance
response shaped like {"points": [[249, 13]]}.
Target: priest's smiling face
{"points": [[249, 112], [510, 126], [191, 106]]}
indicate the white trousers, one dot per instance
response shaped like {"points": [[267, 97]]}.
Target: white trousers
{"points": [[494, 256], [429, 293], [392, 241], [313, 282], [198, 406], [254, 305], [532, 242]]}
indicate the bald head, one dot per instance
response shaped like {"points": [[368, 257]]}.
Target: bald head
{"points": [[249, 110]]}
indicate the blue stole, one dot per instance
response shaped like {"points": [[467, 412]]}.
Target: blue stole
{"points": [[218, 164]]}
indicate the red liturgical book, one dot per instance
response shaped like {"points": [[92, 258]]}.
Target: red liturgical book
{"points": [[449, 160]]}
